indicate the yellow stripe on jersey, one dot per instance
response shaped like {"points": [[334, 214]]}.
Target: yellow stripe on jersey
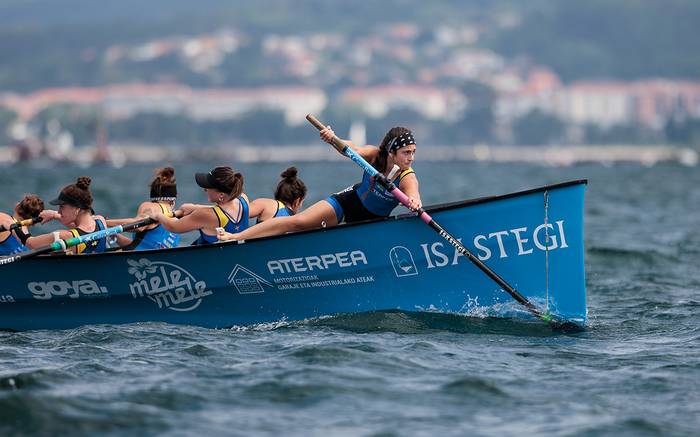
{"points": [[80, 247], [221, 215], [408, 171]]}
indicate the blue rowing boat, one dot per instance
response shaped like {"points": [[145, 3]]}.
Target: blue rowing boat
{"points": [[533, 239]]}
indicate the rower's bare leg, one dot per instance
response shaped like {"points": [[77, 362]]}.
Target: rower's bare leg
{"points": [[317, 215]]}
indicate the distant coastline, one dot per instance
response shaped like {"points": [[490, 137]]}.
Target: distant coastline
{"points": [[120, 154]]}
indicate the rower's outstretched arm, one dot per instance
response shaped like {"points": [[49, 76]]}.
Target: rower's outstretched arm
{"points": [[318, 215], [409, 186], [256, 208], [46, 239], [198, 219], [123, 240], [122, 221]]}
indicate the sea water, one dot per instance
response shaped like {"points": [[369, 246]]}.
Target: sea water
{"points": [[634, 371]]}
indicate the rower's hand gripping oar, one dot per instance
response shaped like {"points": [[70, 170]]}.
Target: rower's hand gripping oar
{"points": [[401, 197], [19, 224], [87, 238]]}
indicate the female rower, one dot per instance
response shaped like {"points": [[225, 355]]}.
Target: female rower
{"points": [[224, 188], [13, 241], [289, 196], [155, 236], [74, 212], [363, 201]]}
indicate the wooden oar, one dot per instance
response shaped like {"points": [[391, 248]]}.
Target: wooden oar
{"points": [[26, 222], [87, 238], [401, 197]]}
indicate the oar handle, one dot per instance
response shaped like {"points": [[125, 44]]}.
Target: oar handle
{"points": [[148, 221], [339, 145], [21, 223], [74, 241]]}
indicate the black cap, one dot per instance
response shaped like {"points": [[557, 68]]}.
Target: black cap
{"points": [[66, 199], [207, 180]]}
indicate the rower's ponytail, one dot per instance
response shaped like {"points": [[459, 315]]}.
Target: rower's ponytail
{"points": [[165, 176], [231, 180], [30, 206], [83, 183], [290, 188], [80, 193], [237, 185], [164, 186]]}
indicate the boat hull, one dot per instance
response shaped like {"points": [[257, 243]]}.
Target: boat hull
{"points": [[533, 239]]}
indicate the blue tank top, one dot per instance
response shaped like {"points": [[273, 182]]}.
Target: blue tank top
{"points": [[226, 222], [376, 198], [98, 246], [11, 245], [156, 238], [282, 211]]}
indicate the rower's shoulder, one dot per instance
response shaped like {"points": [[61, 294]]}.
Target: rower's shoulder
{"points": [[409, 172], [368, 148], [148, 204], [148, 207], [204, 211], [408, 177], [264, 202], [5, 219]]}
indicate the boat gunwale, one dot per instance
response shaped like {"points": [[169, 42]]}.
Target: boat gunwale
{"points": [[430, 209]]}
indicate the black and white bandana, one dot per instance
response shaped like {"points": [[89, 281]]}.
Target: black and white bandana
{"points": [[164, 192], [402, 140]]}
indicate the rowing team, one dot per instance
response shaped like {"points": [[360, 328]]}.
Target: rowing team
{"points": [[228, 215]]}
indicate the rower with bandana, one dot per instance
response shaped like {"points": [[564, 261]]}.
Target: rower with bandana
{"points": [[13, 239], [363, 201], [163, 196]]}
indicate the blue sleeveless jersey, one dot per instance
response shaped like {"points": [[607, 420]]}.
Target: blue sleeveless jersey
{"points": [[156, 238], [98, 246], [11, 246], [226, 222], [376, 198], [282, 210]]}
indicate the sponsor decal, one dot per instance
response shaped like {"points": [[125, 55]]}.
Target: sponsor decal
{"points": [[6, 298], [247, 282], [9, 259], [313, 281], [545, 237], [168, 285], [317, 263], [317, 269], [73, 289], [402, 262]]}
